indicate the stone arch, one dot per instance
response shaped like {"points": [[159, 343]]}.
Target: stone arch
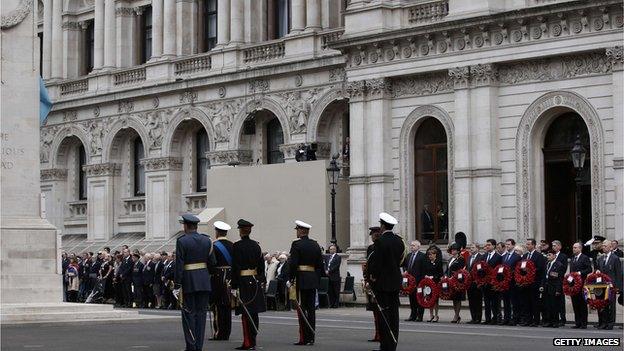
{"points": [[130, 122], [406, 164], [255, 105], [531, 133], [66, 132], [193, 113], [319, 107]]}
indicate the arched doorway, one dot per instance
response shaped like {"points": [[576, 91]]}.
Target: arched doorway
{"points": [[333, 132], [275, 138], [560, 188], [431, 182], [262, 134]]}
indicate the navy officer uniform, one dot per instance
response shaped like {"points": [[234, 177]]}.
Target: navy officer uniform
{"points": [[221, 275], [194, 256], [248, 278], [306, 268]]}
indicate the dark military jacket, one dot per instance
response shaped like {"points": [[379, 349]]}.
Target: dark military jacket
{"points": [[220, 275], [384, 264], [137, 273], [247, 255], [306, 252], [193, 248]]}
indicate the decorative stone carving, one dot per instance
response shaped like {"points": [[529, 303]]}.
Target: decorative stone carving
{"points": [[355, 89], [222, 91], [289, 150], [323, 150], [96, 111], [70, 115], [460, 76], [156, 123], [615, 57], [97, 131], [155, 102], [52, 174], [162, 164], [222, 114], [483, 74], [378, 88], [47, 137], [297, 107], [102, 169], [220, 158], [71, 25], [298, 80], [189, 97], [427, 84], [337, 74], [554, 68], [125, 106], [17, 15], [258, 86], [124, 12]]}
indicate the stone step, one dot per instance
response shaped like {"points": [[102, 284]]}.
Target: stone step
{"points": [[55, 307], [62, 312]]}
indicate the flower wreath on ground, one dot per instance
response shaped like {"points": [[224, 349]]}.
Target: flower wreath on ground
{"points": [[480, 273], [572, 283], [427, 293], [525, 273], [598, 290], [501, 278]]}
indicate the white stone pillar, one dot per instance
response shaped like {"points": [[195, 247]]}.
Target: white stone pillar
{"points": [[98, 33], [298, 16], [126, 41], [110, 34], [169, 27], [157, 28], [162, 193], [57, 39], [100, 200], [54, 186], [615, 56], [47, 39], [313, 15], [186, 27], [237, 22], [223, 22], [72, 53]]}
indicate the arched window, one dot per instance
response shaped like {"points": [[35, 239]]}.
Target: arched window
{"points": [[431, 182], [139, 170], [275, 138], [82, 178], [202, 161]]}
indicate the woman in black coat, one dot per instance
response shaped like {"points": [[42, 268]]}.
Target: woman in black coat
{"points": [[432, 267], [456, 262]]}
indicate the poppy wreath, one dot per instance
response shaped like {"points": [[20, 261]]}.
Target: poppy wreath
{"points": [[409, 284], [460, 281], [446, 289], [572, 283], [480, 273], [525, 276], [500, 278], [427, 293], [598, 278]]}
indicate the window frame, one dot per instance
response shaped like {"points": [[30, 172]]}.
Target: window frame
{"points": [[146, 34], [210, 42], [82, 176], [138, 152], [200, 155], [89, 46]]}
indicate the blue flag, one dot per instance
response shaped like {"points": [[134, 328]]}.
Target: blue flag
{"points": [[45, 105]]}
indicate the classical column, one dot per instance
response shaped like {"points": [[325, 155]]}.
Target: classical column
{"points": [[47, 39], [109, 34], [298, 16], [72, 49], [169, 28], [54, 187], [98, 33], [157, 28], [162, 196], [126, 41], [616, 56], [237, 22], [313, 14], [462, 217], [223, 22], [186, 27], [100, 200], [57, 39]]}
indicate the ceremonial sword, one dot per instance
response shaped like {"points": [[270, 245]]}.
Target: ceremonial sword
{"points": [[246, 312], [300, 310], [184, 309], [383, 315]]}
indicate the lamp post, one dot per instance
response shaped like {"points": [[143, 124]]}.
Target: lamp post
{"points": [[578, 154], [333, 171]]}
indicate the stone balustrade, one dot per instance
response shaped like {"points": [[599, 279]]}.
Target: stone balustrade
{"points": [[194, 64], [428, 12], [74, 87], [264, 53], [77, 209], [195, 202], [134, 206], [329, 36], [128, 77]]}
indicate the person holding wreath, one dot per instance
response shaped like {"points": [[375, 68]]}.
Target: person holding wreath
{"points": [[456, 262], [432, 268]]}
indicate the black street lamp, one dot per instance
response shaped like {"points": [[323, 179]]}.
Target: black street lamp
{"points": [[578, 154], [333, 171]]}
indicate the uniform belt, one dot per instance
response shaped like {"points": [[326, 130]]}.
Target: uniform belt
{"points": [[195, 266], [248, 272], [223, 267], [304, 268]]}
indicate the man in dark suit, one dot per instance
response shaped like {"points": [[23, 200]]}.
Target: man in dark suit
{"points": [[426, 220], [167, 276], [616, 249], [137, 280], [194, 257], [248, 277], [374, 233], [332, 270], [511, 306], [282, 276], [580, 263], [610, 265], [220, 276], [124, 276], [563, 259], [413, 265], [148, 281], [157, 283], [306, 268], [475, 296], [384, 266], [490, 296], [531, 293], [551, 288]]}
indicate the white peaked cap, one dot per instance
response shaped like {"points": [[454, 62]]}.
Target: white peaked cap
{"points": [[388, 218], [222, 225], [302, 224], [590, 241]]}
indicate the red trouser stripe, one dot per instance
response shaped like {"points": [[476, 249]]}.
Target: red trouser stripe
{"points": [[300, 327], [376, 317], [246, 341]]}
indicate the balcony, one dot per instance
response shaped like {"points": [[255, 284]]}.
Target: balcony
{"points": [[74, 87], [129, 77], [195, 202], [194, 64], [263, 53], [134, 206], [77, 214], [428, 12]]}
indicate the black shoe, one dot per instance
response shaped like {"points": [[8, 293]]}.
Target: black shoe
{"points": [[246, 348], [486, 322], [575, 327], [608, 327], [533, 325], [373, 340], [547, 325], [583, 327], [300, 343], [410, 320]]}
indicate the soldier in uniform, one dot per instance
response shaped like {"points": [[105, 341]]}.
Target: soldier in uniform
{"points": [[221, 275], [194, 257], [306, 268], [374, 233], [384, 268], [249, 279]]}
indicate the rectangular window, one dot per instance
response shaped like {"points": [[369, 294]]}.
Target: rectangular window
{"points": [[146, 34], [203, 163], [210, 24], [40, 35], [82, 178], [282, 18], [89, 48], [139, 169]]}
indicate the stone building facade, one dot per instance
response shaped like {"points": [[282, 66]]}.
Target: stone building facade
{"points": [[458, 115]]}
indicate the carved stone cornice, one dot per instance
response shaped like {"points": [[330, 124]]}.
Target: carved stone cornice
{"points": [[616, 57], [52, 174], [162, 164], [224, 157], [72, 25], [102, 169], [289, 150], [355, 90], [460, 76], [427, 84], [483, 74], [17, 15], [477, 173], [378, 88], [124, 12]]}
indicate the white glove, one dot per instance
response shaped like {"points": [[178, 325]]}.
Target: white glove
{"points": [[176, 293], [288, 284], [234, 292]]}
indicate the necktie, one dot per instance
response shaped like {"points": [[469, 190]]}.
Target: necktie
{"points": [[412, 261], [530, 254]]}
